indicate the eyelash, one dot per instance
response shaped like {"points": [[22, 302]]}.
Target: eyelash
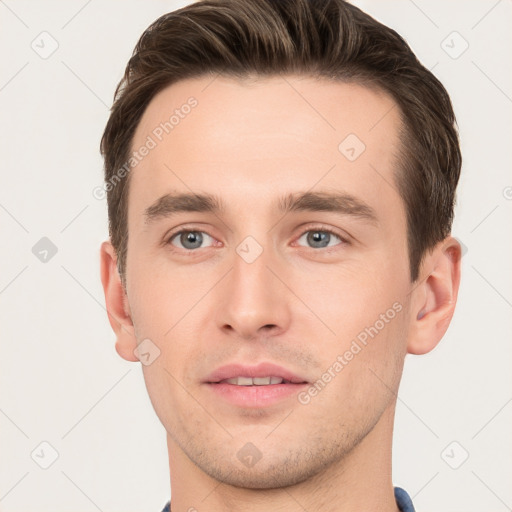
{"points": [[320, 228]]}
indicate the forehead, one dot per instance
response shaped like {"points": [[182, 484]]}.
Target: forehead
{"points": [[247, 139]]}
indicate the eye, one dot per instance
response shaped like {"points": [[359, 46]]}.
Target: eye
{"points": [[321, 237], [189, 240]]}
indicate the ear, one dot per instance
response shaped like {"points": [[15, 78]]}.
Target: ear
{"points": [[117, 303], [433, 301]]}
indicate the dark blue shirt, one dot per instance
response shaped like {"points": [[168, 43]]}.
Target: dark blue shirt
{"points": [[403, 501]]}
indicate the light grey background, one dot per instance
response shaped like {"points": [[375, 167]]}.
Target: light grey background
{"points": [[62, 381]]}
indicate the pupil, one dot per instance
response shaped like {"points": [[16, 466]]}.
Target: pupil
{"points": [[194, 238], [319, 238]]}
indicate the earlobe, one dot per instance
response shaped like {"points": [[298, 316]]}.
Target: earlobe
{"points": [[435, 298], [117, 303]]}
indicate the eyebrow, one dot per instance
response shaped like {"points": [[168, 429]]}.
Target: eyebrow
{"points": [[173, 203]]}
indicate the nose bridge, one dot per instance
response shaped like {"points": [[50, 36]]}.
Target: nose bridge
{"points": [[255, 297]]}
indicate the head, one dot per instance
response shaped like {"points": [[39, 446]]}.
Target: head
{"points": [[267, 124]]}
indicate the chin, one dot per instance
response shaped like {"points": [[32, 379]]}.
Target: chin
{"points": [[285, 475]]}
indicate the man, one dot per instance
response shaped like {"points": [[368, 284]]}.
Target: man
{"points": [[281, 179]]}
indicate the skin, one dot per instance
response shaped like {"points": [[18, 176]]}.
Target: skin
{"points": [[297, 305]]}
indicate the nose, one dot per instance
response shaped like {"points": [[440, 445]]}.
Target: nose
{"points": [[254, 300]]}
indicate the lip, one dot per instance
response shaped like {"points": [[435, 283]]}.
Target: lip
{"points": [[261, 370], [254, 396]]}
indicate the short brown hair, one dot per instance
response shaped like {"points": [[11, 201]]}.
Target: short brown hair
{"points": [[329, 39]]}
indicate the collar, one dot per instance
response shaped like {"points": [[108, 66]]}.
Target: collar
{"points": [[403, 501]]}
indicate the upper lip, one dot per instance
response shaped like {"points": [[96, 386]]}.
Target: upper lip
{"points": [[261, 370]]}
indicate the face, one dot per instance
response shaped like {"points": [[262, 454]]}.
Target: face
{"points": [[303, 265]]}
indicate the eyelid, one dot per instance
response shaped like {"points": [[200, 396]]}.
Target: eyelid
{"points": [[345, 239], [169, 236]]}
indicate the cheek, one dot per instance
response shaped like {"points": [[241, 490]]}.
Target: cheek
{"points": [[354, 297], [159, 298], [159, 313], [366, 312], [362, 369]]}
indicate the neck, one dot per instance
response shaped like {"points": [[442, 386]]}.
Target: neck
{"points": [[359, 481]]}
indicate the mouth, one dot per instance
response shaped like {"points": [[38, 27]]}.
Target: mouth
{"points": [[254, 386], [255, 381], [262, 374]]}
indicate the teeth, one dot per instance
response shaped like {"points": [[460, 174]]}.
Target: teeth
{"points": [[256, 381], [261, 381], [244, 381]]}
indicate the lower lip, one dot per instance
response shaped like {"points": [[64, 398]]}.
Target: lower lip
{"points": [[255, 396]]}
